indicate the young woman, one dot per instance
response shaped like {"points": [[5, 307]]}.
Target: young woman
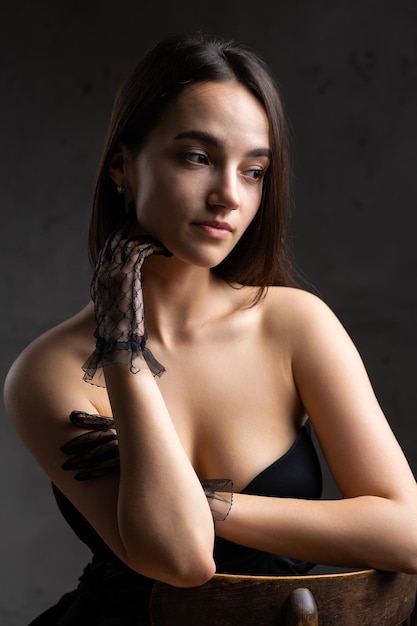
{"points": [[197, 369]]}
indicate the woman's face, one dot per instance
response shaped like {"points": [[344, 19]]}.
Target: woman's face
{"points": [[197, 182]]}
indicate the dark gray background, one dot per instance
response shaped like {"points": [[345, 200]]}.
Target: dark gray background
{"points": [[349, 77]]}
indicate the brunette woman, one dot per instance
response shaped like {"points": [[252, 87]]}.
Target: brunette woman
{"points": [[173, 413]]}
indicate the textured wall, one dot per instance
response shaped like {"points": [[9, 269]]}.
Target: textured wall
{"points": [[349, 76]]}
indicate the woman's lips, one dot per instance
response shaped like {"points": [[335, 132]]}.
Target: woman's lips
{"points": [[215, 230]]}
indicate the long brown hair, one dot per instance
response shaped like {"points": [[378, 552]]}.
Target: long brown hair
{"points": [[261, 256]]}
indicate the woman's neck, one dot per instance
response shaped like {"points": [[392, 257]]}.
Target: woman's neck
{"points": [[179, 298]]}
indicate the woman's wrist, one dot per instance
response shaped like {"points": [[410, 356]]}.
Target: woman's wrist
{"points": [[118, 373], [219, 494]]}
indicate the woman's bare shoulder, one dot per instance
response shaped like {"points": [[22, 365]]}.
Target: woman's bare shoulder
{"points": [[290, 308], [70, 340], [49, 370]]}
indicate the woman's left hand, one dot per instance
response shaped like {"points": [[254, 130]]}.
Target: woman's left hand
{"points": [[94, 453]]}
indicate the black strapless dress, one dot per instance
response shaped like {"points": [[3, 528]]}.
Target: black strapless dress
{"points": [[111, 594]]}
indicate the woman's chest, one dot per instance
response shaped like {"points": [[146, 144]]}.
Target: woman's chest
{"points": [[232, 399], [234, 405]]}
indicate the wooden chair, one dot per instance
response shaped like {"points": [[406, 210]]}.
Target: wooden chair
{"points": [[363, 598]]}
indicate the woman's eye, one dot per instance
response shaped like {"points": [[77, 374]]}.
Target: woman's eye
{"points": [[196, 157], [255, 173]]}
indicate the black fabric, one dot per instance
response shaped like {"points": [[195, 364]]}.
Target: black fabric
{"points": [[110, 594], [297, 474]]}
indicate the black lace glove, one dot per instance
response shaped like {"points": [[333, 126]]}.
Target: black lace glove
{"points": [[96, 453], [219, 494], [116, 290]]}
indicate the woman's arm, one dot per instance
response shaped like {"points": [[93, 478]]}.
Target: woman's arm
{"points": [[154, 516], [373, 526], [159, 494]]}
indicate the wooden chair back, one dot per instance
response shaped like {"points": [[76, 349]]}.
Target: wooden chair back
{"points": [[363, 598]]}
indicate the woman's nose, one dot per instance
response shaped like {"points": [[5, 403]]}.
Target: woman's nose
{"points": [[224, 191]]}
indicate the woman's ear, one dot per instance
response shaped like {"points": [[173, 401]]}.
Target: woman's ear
{"points": [[117, 168]]}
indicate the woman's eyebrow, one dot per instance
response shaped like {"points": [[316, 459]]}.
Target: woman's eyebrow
{"points": [[201, 136], [214, 141]]}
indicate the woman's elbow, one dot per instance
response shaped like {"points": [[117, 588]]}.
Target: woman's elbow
{"points": [[403, 552], [187, 568], [193, 575], [409, 547], [408, 562], [187, 573]]}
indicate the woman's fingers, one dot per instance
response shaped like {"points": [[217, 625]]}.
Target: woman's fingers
{"points": [[93, 459], [91, 420], [88, 441]]}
